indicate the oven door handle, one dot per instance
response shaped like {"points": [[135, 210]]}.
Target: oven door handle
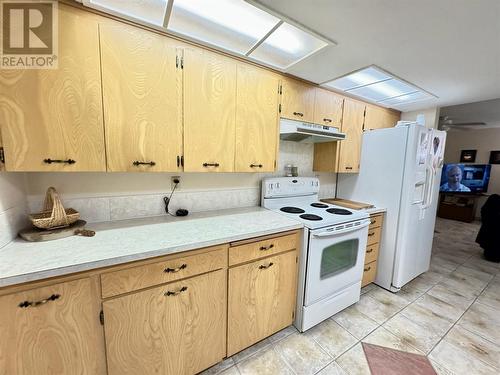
{"points": [[363, 224]]}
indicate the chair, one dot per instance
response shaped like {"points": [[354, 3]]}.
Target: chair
{"points": [[489, 234]]}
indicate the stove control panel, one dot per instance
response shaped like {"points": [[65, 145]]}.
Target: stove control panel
{"points": [[289, 186]]}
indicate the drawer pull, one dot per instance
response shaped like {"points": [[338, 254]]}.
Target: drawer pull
{"points": [[256, 165], [348, 167], [263, 267], [26, 304], [150, 163], [210, 165], [369, 251], [174, 270], [264, 248], [170, 293], [371, 234], [300, 114], [327, 120], [50, 161], [373, 221], [368, 269]]}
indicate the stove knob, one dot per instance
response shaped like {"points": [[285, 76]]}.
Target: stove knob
{"points": [[277, 185]]}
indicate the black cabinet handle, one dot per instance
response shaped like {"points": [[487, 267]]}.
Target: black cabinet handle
{"points": [[170, 293], [174, 270], [369, 251], [264, 248], [263, 267], [327, 120], [50, 161], [26, 304], [178, 161], [348, 167], [367, 269], [371, 234], [256, 165], [211, 164], [298, 114], [150, 163]]}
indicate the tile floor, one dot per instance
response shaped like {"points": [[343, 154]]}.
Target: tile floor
{"points": [[451, 314]]}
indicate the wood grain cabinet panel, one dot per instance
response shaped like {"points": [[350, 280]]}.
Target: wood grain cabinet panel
{"points": [[352, 126], [209, 111], [328, 108], [142, 93], [257, 99], [297, 101], [369, 273], [379, 118], [176, 329], [56, 114], [2, 155], [261, 299], [60, 335]]}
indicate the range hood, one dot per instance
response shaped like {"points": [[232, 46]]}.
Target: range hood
{"points": [[305, 132]]}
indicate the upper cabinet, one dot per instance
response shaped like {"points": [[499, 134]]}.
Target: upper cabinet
{"points": [[52, 119], [209, 111], [328, 108], [297, 102], [352, 126], [378, 118], [142, 94], [257, 119]]}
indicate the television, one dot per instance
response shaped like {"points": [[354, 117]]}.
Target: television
{"points": [[465, 178]]}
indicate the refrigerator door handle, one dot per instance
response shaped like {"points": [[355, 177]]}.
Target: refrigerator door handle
{"points": [[429, 188]]}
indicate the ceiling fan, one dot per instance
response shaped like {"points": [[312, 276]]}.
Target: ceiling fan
{"points": [[447, 122]]}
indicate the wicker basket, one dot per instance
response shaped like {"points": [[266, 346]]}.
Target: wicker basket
{"points": [[54, 215]]}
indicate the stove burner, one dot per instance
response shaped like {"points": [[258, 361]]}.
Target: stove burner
{"points": [[311, 217], [339, 211], [319, 205], [292, 210]]}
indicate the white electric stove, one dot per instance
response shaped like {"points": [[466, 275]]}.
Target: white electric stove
{"points": [[334, 244]]}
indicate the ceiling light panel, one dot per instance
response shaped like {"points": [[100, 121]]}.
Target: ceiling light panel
{"points": [[406, 99], [360, 78], [233, 25], [150, 11], [286, 46], [383, 90]]}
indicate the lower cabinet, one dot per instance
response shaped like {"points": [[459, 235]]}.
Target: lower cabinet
{"points": [[372, 248], [178, 328], [261, 299], [52, 330]]}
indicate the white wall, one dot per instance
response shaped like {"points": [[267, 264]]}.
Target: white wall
{"points": [[482, 140], [431, 117], [12, 206], [117, 196]]}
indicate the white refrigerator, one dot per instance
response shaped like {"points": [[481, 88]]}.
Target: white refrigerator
{"points": [[400, 170]]}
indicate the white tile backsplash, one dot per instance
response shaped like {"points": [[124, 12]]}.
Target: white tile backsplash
{"points": [[11, 222]]}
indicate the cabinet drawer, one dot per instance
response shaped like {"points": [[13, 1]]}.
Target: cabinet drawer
{"points": [[130, 279], [376, 221], [371, 253], [260, 249], [373, 236], [369, 273]]}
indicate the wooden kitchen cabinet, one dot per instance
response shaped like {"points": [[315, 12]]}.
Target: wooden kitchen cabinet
{"points": [[372, 248], [52, 330], [297, 100], [209, 111], [328, 108], [178, 328], [257, 119], [2, 155], [379, 118], [142, 94], [261, 299], [52, 118], [352, 126]]}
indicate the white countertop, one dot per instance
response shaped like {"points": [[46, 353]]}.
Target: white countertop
{"points": [[129, 240]]}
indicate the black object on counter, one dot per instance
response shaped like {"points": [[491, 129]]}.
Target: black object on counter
{"points": [[181, 212]]}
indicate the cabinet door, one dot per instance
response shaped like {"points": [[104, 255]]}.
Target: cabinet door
{"points": [[328, 108], [261, 299], [178, 328], [297, 102], [142, 93], [257, 100], [209, 111], [379, 118], [58, 333], [352, 126], [56, 114]]}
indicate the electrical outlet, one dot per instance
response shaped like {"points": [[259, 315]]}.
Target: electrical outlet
{"points": [[172, 182]]}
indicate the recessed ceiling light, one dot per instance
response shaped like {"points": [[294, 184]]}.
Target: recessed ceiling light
{"points": [[379, 86], [149, 11]]}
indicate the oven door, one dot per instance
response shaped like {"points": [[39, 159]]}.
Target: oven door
{"points": [[335, 261]]}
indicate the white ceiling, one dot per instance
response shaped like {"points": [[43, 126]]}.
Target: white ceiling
{"points": [[450, 48], [486, 111]]}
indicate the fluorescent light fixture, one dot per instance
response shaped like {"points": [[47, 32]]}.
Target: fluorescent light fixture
{"points": [[379, 86], [286, 46], [233, 25], [149, 11]]}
